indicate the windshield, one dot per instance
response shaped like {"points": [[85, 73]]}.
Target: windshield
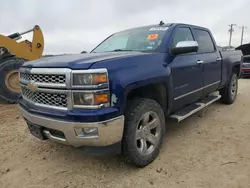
{"points": [[140, 39]]}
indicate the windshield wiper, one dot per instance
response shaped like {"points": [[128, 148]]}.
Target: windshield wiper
{"points": [[120, 50]]}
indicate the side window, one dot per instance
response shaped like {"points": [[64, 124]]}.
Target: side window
{"points": [[182, 34], [204, 40]]}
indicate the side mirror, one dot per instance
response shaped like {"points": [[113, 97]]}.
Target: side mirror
{"points": [[184, 47], [84, 52]]}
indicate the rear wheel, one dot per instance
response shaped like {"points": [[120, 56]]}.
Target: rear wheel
{"points": [[229, 93], [9, 81], [144, 132]]}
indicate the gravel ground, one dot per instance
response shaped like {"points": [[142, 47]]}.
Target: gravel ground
{"points": [[209, 149]]}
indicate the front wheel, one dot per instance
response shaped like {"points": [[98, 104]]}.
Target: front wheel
{"points": [[229, 93], [144, 132]]}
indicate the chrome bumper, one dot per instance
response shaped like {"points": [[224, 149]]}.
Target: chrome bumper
{"points": [[109, 132]]}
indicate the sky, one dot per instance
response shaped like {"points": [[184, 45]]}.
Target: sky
{"points": [[71, 26]]}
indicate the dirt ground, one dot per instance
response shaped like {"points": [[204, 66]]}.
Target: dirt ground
{"points": [[206, 150]]}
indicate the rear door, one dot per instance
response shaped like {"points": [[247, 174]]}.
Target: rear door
{"points": [[211, 59], [187, 71]]}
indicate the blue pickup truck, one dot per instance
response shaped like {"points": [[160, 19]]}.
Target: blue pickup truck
{"points": [[122, 93]]}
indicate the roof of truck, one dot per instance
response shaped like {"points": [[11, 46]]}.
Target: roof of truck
{"points": [[167, 25], [190, 25]]}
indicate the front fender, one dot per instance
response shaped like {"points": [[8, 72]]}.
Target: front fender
{"points": [[127, 79]]}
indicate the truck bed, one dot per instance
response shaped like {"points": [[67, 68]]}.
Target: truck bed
{"points": [[229, 59], [231, 53]]}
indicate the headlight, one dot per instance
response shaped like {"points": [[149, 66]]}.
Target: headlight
{"points": [[91, 88], [90, 100], [87, 79]]}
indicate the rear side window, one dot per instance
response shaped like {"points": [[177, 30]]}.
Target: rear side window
{"points": [[182, 34], [204, 40]]}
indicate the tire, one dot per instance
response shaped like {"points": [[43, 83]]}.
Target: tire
{"points": [[139, 116], [229, 92], [9, 91]]}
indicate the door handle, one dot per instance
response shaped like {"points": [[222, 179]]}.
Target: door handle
{"points": [[218, 59], [200, 62]]}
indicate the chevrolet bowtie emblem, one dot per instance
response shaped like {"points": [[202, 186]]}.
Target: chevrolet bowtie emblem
{"points": [[32, 86]]}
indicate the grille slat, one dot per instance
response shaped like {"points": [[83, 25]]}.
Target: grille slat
{"points": [[44, 78], [44, 98]]}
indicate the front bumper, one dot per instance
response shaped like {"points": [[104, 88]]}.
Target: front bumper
{"points": [[109, 132]]}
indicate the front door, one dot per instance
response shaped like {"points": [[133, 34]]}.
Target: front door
{"points": [[187, 72]]}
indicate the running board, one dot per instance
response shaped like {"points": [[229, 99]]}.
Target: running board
{"points": [[193, 108]]}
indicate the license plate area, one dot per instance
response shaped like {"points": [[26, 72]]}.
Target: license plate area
{"points": [[36, 131]]}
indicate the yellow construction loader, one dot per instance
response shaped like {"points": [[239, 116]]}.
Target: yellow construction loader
{"points": [[13, 53]]}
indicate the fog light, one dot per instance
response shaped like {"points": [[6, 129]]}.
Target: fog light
{"points": [[86, 132]]}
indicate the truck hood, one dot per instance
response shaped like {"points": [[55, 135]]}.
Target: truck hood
{"points": [[78, 61], [245, 48]]}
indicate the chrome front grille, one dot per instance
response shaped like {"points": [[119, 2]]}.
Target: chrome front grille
{"points": [[46, 87], [44, 78], [58, 100]]}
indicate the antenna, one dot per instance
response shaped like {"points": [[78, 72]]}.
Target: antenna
{"points": [[161, 23]]}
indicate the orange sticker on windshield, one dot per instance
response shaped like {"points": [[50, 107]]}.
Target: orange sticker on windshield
{"points": [[152, 36]]}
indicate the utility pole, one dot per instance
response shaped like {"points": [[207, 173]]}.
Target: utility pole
{"points": [[242, 34], [231, 30]]}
